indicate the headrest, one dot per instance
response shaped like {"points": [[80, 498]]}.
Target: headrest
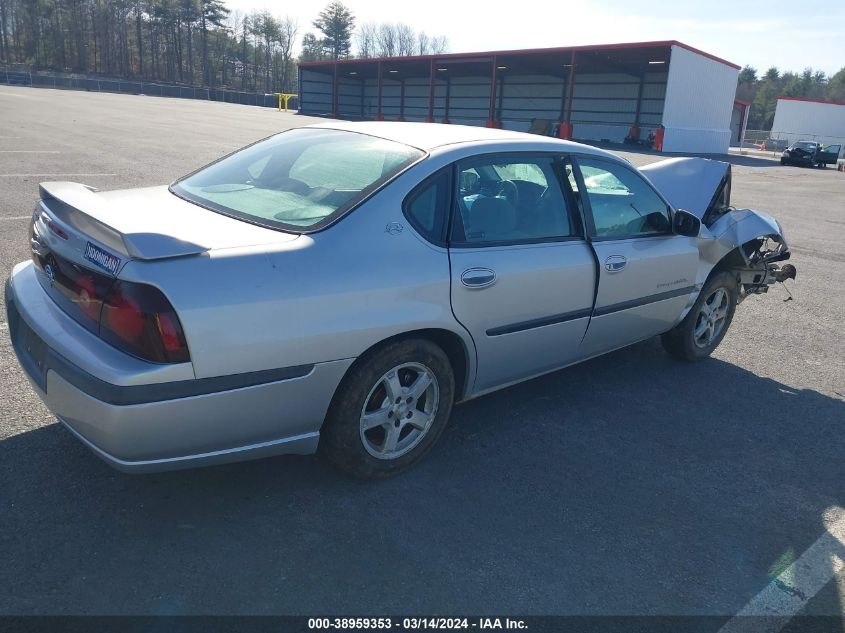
{"points": [[492, 216]]}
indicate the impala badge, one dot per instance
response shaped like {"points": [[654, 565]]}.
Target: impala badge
{"points": [[394, 228]]}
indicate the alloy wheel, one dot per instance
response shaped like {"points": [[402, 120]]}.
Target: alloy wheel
{"points": [[399, 410], [711, 318]]}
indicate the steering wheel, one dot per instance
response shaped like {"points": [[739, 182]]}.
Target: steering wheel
{"points": [[544, 196], [510, 191]]}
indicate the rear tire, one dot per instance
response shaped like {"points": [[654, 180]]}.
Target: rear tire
{"points": [[389, 410], [706, 324]]}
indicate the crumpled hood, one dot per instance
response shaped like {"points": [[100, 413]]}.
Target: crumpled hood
{"points": [[688, 183]]}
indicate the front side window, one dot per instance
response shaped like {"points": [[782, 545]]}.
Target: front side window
{"points": [[622, 203], [298, 180], [509, 199]]}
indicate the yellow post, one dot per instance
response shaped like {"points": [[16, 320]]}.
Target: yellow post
{"points": [[285, 96]]}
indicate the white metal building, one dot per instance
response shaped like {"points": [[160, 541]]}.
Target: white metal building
{"points": [[798, 119], [681, 95]]}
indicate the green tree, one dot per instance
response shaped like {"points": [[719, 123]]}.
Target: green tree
{"points": [[212, 13], [836, 86], [312, 48], [336, 23], [747, 75]]}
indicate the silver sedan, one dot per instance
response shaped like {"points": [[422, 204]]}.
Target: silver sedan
{"points": [[338, 288]]}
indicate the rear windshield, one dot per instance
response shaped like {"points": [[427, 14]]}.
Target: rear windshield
{"points": [[298, 180]]}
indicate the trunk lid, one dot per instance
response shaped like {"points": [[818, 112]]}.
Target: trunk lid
{"points": [[80, 239], [149, 223]]}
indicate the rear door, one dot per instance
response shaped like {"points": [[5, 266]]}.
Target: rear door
{"points": [[523, 275], [646, 273]]}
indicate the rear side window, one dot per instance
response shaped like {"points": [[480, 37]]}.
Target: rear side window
{"points": [[299, 180], [427, 207], [509, 199], [622, 203]]}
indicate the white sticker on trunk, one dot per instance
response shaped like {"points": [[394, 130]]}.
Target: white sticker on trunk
{"points": [[102, 258]]}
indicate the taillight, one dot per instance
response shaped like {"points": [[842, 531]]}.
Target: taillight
{"points": [[87, 297], [139, 319]]}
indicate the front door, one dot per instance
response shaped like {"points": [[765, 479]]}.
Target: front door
{"points": [[829, 154], [523, 276], [646, 273]]}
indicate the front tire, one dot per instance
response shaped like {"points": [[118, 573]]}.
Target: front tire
{"points": [[707, 322], [389, 409]]}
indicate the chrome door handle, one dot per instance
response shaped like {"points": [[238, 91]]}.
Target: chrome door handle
{"points": [[478, 277], [615, 263]]}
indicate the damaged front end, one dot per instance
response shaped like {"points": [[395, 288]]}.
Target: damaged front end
{"points": [[747, 243], [756, 264]]}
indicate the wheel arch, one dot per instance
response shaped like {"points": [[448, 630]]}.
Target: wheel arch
{"points": [[730, 260], [735, 259], [457, 350]]}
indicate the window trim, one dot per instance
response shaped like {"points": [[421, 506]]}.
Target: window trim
{"points": [[571, 213], [588, 208], [576, 212]]}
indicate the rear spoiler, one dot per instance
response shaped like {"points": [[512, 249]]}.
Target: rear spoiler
{"points": [[80, 207]]}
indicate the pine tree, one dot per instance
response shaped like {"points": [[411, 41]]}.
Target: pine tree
{"points": [[212, 12], [336, 23]]}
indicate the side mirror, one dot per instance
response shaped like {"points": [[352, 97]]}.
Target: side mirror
{"points": [[685, 223]]}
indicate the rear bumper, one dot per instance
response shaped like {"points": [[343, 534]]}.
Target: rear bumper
{"points": [[171, 424]]}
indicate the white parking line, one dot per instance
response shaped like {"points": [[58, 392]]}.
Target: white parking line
{"points": [[48, 175], [18, 217], [29, 151], [789, 592]]}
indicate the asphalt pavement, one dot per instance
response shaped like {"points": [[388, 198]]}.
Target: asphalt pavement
{"points": [[630, 484]]}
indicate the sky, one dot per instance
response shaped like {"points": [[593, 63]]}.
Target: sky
{"points": [[787, 34]]}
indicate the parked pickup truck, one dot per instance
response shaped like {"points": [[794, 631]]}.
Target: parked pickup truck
{"points": [[810, 154]]}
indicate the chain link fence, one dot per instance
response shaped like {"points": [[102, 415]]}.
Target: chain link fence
{"points": [[128, 86]]}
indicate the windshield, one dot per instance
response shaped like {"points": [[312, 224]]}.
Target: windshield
{"points": [[805, 145], [298, 180]]}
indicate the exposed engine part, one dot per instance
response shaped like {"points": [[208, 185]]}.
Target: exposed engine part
{"points": [[761, 269], [787, 272]]}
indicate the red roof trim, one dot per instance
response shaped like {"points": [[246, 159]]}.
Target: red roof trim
{"points": [[523, 51], [742, 102], [807, 99], [698, 51]]}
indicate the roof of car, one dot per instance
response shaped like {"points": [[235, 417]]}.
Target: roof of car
{"points": [[428, 136]]}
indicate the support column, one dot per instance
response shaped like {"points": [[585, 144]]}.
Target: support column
{"points": [[565, 127], [431, 82], [402, 99], [634, 132], [501, 99], [379, 116], [448, 92], [335, 99], [491, 115]]}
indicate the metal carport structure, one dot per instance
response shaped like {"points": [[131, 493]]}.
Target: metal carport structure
{"points": [[682, 95]]}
